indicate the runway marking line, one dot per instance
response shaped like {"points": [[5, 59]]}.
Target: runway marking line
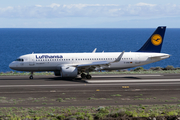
{"points": [[125, 86], [123, 81], [127, 75], [74, 85]]}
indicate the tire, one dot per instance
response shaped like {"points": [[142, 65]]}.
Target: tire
{"points": [[31, 77], [88, 76], [83, 75]]}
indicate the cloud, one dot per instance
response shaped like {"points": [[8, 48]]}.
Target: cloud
{"points": [[38, 5], [54, 5], [90, 10], [145, 4]]}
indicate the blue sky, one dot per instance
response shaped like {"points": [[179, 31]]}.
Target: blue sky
{"points": [[89, 13]]}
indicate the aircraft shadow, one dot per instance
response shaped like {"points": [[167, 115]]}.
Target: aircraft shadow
{"points": [[67, 79], [80, 80], [115, 78]]}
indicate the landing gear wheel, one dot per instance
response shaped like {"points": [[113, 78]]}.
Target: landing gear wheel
{"points": [[31, 77], [88, 76], [83, 75]]}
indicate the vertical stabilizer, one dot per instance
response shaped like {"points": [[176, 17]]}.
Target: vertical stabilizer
{"points": [[154, 43]]}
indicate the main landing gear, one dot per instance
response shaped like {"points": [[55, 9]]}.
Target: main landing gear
{"points": [[31, 76], [88, 76]]}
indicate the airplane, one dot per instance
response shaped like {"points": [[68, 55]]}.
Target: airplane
{"points": [[70, 65]]}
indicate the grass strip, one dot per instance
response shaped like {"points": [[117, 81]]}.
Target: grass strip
{"points": [[89, 112], [11, 73]]}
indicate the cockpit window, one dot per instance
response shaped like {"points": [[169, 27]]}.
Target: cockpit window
{"points": [[19, 59]]}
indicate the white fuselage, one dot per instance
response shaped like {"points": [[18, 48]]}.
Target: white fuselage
{"points": [[53, 61]]}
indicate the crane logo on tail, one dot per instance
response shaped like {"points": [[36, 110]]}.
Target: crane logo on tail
{"points": [[156, 39]]}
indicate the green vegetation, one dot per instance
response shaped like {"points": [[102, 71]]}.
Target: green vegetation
{"points": [[24, 73], [90, 113], [117, 95], [139, 70]]}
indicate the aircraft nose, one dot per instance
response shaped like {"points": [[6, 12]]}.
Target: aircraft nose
{"points": [[12, 65]]}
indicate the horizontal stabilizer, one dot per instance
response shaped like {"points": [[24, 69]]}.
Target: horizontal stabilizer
{"points": [[160, 56]]}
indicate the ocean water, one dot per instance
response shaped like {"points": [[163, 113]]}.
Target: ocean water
{"points": [[15, 42]]}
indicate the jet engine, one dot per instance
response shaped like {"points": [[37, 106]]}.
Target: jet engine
{"points": [[57, 73], [66, 71]]}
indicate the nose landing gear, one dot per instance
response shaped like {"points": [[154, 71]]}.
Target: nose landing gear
{"points": [[31, 76]]}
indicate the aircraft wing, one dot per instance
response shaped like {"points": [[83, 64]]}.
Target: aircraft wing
{"points": [[102, 63], [93, 65]]}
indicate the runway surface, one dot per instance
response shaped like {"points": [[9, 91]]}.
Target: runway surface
{"points": [[110, 89]]}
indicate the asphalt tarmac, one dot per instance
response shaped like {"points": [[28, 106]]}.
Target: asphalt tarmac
{"points": [[101, 90]]}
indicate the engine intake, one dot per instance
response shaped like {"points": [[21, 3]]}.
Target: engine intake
{"points": [[67, 71]]}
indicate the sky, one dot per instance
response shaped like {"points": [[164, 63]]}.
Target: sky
{"points": [[89, 13]]}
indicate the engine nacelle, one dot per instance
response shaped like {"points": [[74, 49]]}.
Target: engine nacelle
{"points": [[66, 71], [57, 73]]}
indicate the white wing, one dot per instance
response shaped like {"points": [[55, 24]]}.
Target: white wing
{"points": [[93, 65]]}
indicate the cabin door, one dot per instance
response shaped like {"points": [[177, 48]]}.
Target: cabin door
{"points": [[31, 60]]}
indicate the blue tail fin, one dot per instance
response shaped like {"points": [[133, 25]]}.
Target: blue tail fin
{"points": [[154, 43]]}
